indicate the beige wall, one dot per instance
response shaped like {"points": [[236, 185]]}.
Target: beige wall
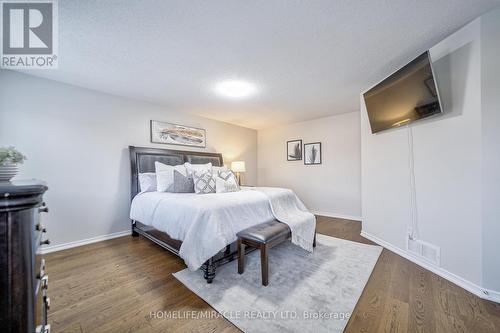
{"points": [[332, 188], [76, 140]]}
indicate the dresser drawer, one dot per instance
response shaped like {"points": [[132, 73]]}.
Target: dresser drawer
{"points": [[40, 229], [39, 239], [42, 303], [42, 300], [38, 309], [39, 272]]}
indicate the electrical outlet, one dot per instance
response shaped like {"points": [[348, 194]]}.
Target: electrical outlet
{"points": [[413, 246]]}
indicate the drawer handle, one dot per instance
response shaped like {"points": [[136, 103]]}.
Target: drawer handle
{"points": [[40, 227], [47, 302], [42, 270], [42, 329], [43, 210], [45, 242], [45, 282]]}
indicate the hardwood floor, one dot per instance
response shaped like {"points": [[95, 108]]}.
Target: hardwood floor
{"points": [[114, 286]]}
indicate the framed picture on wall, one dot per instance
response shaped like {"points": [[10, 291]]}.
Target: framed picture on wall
{"points": [[312, 153], [294, 150], [173, 134]]}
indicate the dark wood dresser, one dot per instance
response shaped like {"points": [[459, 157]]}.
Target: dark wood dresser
{"points": [[23, 281]]}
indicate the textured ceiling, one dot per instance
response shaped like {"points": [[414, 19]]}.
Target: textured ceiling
{"points": [[309, 58]]}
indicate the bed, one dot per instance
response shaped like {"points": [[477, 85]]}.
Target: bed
{"points": [[201, 228], [142, 161]]}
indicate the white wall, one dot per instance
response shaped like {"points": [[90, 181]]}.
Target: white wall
{"points": [[490, 51], [332, 188], [77, 140], [455, 155], [447, 155]]}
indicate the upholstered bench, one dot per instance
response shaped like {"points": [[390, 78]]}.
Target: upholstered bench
{"points": [[262, 236]]}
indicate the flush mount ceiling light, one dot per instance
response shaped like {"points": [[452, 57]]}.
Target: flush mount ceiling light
{"points": [[235, 89]]}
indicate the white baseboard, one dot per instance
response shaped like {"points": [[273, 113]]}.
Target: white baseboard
{"points": [[338, 216], [60, 247], [459, 281], [493, 295]]}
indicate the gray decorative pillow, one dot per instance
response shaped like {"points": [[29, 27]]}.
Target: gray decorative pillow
{"points": [[204, 182], [183, 184]]}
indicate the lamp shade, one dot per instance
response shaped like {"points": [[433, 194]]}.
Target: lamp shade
{"points": [[238, 166]]}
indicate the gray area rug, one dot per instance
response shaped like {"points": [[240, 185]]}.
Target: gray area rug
{"points": [[307, 292]]}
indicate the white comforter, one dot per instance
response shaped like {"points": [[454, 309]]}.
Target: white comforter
{"points": [[207, 223]]}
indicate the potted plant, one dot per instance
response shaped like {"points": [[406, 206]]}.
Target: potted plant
{"points": [[10, 159]]}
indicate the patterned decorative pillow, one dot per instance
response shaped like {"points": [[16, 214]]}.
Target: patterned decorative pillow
{"points": [[224, 186], [183, 184], [226, 174], [204, 182]]}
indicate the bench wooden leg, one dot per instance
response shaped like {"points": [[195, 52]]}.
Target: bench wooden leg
{"points": [[241, 257], [314, 240], [264, 264]]}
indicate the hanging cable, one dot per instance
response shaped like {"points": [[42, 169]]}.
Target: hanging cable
{"points": [[413, 225]]}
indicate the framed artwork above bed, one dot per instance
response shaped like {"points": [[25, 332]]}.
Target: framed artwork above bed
{"points": [[173, 134]]}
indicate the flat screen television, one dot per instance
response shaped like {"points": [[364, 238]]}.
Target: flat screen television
{"points": [[408, 95]]}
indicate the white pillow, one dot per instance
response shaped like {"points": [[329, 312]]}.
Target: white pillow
{"points": [[165, 176], [147, 182], [224, 186], [217, 169], [199, 168]]}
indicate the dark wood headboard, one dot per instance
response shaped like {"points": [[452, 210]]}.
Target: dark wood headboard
{"points": [[143, 160]]}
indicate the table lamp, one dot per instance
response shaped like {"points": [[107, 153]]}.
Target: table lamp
{"points": [[238, 167]]}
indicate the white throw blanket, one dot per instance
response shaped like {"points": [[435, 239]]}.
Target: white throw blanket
{"points": [[288, 208]]}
